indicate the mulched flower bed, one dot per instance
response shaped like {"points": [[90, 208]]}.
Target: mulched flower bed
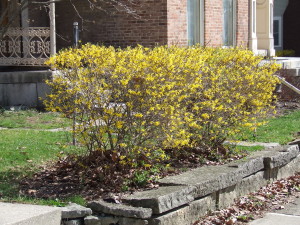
{"points": [[93, 178]]}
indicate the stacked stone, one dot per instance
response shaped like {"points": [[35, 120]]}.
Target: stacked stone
{"points": [[184, 198]]}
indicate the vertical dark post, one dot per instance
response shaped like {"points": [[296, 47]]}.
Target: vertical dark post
{"points": [[75, 34], [75, 44]]}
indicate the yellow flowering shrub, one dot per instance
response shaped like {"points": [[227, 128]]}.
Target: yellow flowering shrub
{"points": [[236, 90], [136, 102]]}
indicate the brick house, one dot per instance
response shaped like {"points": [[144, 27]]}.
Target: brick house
{"points": [[247, 23], [209, 22]]}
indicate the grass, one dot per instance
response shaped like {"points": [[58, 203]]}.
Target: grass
{"points": [[32, 119], [281, 129], [22, 152], [19, 148], [249, 148]]}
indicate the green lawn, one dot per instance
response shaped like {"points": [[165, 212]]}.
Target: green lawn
{"points": [[24, 147], [281, 129], [32, 119], [22, 152]]}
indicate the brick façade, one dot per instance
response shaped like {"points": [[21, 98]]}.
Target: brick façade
{"points": [[157, 22]]}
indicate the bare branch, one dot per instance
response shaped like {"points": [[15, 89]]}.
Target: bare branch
{"points": [[13, 10]]}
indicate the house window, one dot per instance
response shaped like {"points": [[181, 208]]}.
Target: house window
{"points": [[195, 14], [277, 31], [229, 22]]}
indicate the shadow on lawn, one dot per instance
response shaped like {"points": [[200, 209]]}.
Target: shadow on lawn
{"points": [[9, 183]]}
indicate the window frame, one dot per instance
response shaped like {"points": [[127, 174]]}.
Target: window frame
{"points": [[279, 19], [234, 24], [195, 21]]}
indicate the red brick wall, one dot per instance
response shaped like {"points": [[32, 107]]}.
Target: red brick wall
{"points": [[114, 27], [177, 22], [159, 22], [214, 22], [242, 23]]}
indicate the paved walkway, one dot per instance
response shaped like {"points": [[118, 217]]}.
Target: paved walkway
{"points": [[249, 144], [50, 130], [290, 215], [23, 214]]}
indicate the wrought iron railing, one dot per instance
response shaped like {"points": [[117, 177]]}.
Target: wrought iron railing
{"points": [[25, 46]]}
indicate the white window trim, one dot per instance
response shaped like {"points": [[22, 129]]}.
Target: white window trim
{"points": [[279, 18], [253, 19], [271, 18]]}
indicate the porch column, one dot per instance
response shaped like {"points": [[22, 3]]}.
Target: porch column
{"points": [[52, 28], [252, 26], [264, 25], [24, 14]]}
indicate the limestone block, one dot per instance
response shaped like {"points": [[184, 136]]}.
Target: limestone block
{"points": [[186, 215], [120, 209], [131, 221], [249, 165], [251, 184], [111, 220], [96, 220], [295, 142], [226, 197], [206, 180], [73, 222], [162, 199], [75, 211], [286, 170], [280, 156], [244, 187]]}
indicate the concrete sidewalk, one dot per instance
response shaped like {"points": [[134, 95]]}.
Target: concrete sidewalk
{"points": [[290, 215], [23, 214]]}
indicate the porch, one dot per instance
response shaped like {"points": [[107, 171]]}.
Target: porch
{"points": [[25, 45]]}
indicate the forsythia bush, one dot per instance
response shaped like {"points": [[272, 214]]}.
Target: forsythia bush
{"points": [[136, 102]]}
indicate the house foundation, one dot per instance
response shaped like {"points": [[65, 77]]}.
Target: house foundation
{"points": [[24, 88]]}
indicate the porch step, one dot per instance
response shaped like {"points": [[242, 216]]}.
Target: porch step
{"points": [[262, 52], [288, 62], [23, 214]]}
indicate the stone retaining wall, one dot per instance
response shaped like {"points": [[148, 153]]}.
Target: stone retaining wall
{"points": [[182, 199]]}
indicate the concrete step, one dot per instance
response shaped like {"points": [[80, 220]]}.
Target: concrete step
{"points": [[288, 62], [277, 219], [262, 52], [23, 214]]}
